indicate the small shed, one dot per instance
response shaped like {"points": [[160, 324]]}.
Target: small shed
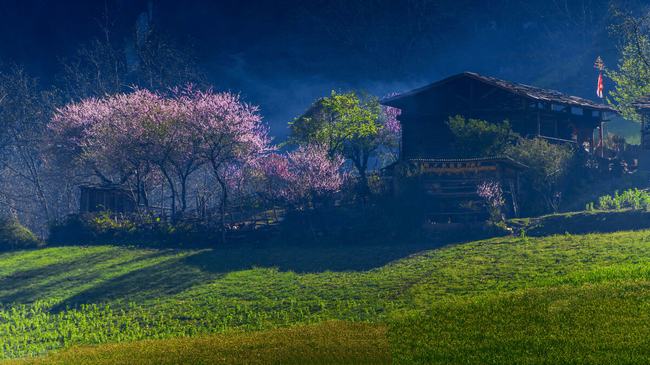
{"points": [[113, 198]]}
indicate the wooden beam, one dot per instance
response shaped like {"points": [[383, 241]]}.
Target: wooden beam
{"points": [[487, 94]]}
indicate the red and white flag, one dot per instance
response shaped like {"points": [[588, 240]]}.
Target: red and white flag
{"points": [[600, 66], [599, 88]]}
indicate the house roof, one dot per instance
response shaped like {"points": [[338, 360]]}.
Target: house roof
{"points": [[527, 91]]}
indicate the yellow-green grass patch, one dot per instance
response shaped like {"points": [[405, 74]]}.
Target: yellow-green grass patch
{"points": [[605, 323], [332, 342]]}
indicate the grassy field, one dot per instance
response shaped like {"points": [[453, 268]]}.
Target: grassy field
{"points": [[325, 343], [604, 323], [557, 299]]}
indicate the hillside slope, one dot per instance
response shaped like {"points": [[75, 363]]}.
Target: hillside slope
{"points": [[326, 343], [60, 297]]}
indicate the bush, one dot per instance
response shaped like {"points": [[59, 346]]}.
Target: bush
{"points": [[15, 236], [479, 138], [145, 230], [634, 199], [552, 168], [549, 173]]}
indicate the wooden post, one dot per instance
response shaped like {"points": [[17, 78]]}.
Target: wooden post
{"points": [[600, 66], [602, 142], [644, 142]]}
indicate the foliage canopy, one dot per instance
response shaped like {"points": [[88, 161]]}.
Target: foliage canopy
{"points": [[632, 78], [479, 138], [352, 124]]}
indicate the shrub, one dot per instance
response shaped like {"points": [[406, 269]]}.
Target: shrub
{"points": [[634, 199], [492, 194], [144, 230], [552, 168], [548, 173], [15, 236], [478, 138]]}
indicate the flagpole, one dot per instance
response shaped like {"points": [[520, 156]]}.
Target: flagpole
{"points": [[600, 65]]}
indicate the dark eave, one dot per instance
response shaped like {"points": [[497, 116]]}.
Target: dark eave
{"points": [[642, 103], [497, 159], [107, 187]]}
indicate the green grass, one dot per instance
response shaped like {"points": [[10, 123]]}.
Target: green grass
{"points": [[466, 296], [326, 343], [591, 324]]}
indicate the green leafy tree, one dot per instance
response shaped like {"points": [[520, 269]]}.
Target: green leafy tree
{"points": [[547, 172], [479, 138], [632, 78], [351, 124]]}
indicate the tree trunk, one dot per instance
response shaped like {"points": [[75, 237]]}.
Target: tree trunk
{"points": [[36, 179], [222, 207], [183, 193], [145, 198], [172, 188], [361, 164]]}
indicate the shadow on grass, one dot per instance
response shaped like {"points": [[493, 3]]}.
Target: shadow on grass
{"points": [[155, 281], [304, 259], [179, 273], [368, 252], [57, 280]]}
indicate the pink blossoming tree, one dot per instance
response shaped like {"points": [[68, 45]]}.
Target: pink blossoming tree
{"points": [[303, 176], [109, 136], [314, 173], [132, 137], [230, 135], [492, 194]]}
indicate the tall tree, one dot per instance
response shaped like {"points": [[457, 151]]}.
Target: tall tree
{"points": [[303, 175], [24, 112], [632, 77], [147, 58], [548, 166], [120, 137], [113, 138], [351, 124], [232, 136]]}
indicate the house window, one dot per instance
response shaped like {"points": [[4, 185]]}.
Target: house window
{"points": [[577, 111], [557, 107]]}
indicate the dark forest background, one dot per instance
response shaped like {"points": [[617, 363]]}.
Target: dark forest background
{"points": [[284, 54]]}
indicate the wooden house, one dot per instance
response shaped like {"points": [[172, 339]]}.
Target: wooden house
{"points": [[99, 198], [427, 149], [531, 111]]}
